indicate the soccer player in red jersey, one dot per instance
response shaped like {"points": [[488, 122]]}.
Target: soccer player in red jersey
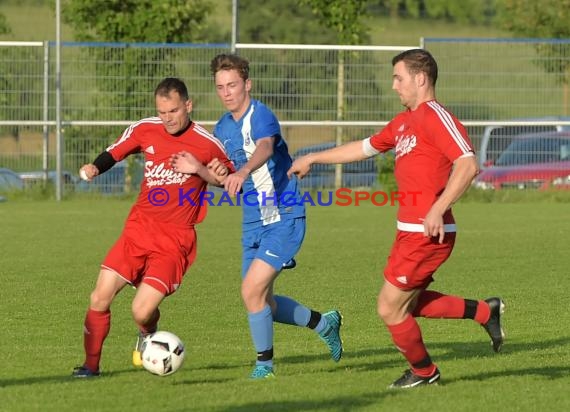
{"points": [[158, 242], [435, 158]]}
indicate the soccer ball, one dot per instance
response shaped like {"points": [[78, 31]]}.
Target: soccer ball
{"points": [[162, 353]]}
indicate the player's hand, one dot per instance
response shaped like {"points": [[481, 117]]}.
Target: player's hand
{"points": [[218, 168], [433, 226], [88, 172], [300, 167], [234, 182], [184, 162]]}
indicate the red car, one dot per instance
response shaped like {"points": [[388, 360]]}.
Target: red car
{"points": [[531, 161]]}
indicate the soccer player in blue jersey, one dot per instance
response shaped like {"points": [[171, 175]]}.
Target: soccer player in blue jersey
{"points": [[273, 225]]}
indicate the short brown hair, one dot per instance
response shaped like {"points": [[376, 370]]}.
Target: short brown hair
{"points": [[172, 84], [230, 62], [418, 60]]}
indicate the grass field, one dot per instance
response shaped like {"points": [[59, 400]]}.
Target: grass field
{"points": [[49, 259], [383, 30]]}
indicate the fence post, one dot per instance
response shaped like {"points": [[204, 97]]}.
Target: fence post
{"points": [[45, 148], [339, 115]]}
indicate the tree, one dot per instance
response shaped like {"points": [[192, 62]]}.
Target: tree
{"points": [[546, 19], [122, 71], [4, 27], [133, 21], [536, 18], [464, 11], [280, 21], [343, 16], [166, 21]]}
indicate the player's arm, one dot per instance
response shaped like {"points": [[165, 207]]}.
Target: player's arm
{"points": [[212, 176], [184, 162], [101, 164], [121, 148], [464, 170], [263, 151], [346, 153]]}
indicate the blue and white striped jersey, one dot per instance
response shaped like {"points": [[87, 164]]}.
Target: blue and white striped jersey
{"points": [[268, 194]]}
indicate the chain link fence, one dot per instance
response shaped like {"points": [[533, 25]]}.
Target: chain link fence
{"points": [[323, 95]]}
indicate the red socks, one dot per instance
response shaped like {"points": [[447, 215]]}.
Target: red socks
{"points": [[95, 330], [433, 304], [407, 337]]}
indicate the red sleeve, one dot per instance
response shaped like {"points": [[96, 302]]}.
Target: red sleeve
{"points": [[126, 144], [384, 139], [223, 157], [448, 134]]}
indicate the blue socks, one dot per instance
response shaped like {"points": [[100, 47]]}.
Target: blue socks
{"points": [[261, 328], [291, 312]]}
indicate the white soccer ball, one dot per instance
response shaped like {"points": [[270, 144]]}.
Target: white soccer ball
{"points": [[162, 353]]}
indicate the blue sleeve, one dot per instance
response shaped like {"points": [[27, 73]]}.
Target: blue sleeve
{"points": [[217, 132], [264, 123]]}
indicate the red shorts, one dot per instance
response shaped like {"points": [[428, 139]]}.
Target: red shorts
{"points": [[152, 252], [414, 258]]}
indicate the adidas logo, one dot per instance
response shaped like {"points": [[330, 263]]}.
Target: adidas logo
{"points": [[149, 150]]}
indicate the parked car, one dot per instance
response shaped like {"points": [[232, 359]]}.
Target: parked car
{"points": [[33, 178], [496, 139], [114, 180], [357, 174], [9, 182], [531, 161]]}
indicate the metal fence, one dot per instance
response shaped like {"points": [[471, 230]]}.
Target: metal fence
{"points": [[323, 95]]}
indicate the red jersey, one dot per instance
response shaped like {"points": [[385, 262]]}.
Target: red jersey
{"points": [[426, 141], [166, 195]]}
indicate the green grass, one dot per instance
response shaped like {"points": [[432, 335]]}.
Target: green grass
{"points": [[407, 32], [33, 23], [49, 260]]}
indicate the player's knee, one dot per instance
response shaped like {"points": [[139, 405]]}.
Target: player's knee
{"points": [[392, 313], [247, 293], [100, 301], [142, 316], [385, 311], [381, 311], [253, 298]]}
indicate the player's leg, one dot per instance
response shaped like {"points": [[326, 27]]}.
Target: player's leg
{"points": [[279, 244], [254, 290], [327, 325], [142, 335], [411, 264], [432, 304], [98, 321], [487, 313], [146, 315], [393, 309], [164, 272]]}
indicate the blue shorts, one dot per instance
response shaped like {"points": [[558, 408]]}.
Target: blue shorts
{"points": [[275, 244]]}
